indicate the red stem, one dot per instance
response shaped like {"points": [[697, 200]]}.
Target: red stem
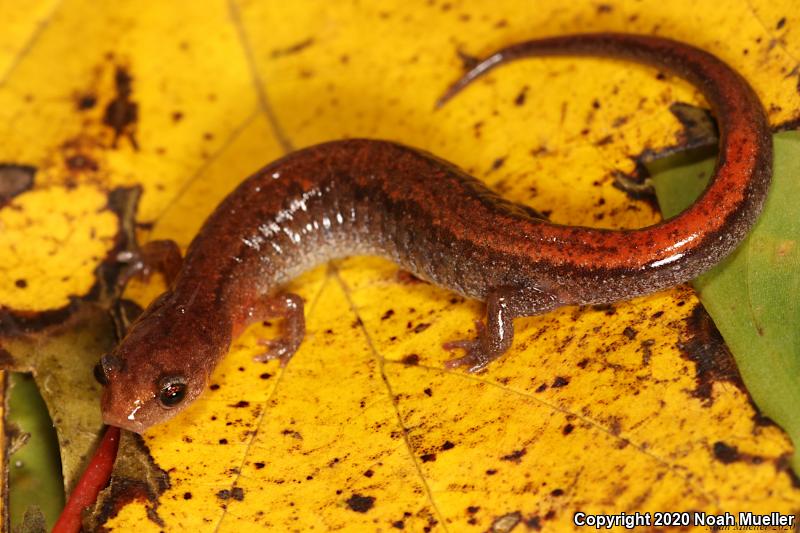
{"points": [[93, 480]]}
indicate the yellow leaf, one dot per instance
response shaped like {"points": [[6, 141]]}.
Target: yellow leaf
{"points": [[593, 410]]}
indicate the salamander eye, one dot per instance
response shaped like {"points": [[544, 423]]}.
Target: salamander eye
{"points": [[172, 391], [100, 374]]}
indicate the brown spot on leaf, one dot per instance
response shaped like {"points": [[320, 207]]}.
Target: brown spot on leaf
{"points": [[236, 493], [497, 163], [711, 356], [85, 101], [14, 180], [293, 49], [725, 453], [515, 456], [410, 359], [520, 99], [534, 522], [360, 504], [82, 163], [647, 350], [122, 112]]}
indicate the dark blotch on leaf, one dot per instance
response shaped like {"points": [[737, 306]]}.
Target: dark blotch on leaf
{"points": [[520, 99], [86, 101], [514, 456], [293, 49], [497, 163], [534, 523], [711, 356], [411, 359], [359, 503], [725, 453], [14, 180], [122, 112], [81, 163], [419, 328]]}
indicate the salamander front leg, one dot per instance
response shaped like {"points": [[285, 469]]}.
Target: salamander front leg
{"points": [[290, 308], [162, 256], [503, 305]]}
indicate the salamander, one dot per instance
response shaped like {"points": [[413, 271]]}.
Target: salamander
{"points": [[375, 197]]}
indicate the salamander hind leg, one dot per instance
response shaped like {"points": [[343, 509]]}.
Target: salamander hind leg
{"points": [[503, 305], [290, 308]]}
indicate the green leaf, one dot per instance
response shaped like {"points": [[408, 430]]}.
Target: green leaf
{"points": [[754, 295], [34, 467]]}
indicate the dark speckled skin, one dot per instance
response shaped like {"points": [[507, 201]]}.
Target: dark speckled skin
{"points": [[376, 197]]}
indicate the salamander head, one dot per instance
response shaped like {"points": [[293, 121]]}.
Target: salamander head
{"points": [[159, 368]]}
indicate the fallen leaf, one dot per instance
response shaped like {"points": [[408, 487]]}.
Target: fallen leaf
{"points": [[592, 410]]}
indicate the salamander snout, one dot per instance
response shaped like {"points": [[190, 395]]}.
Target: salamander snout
{"points": [[136, 401]]}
